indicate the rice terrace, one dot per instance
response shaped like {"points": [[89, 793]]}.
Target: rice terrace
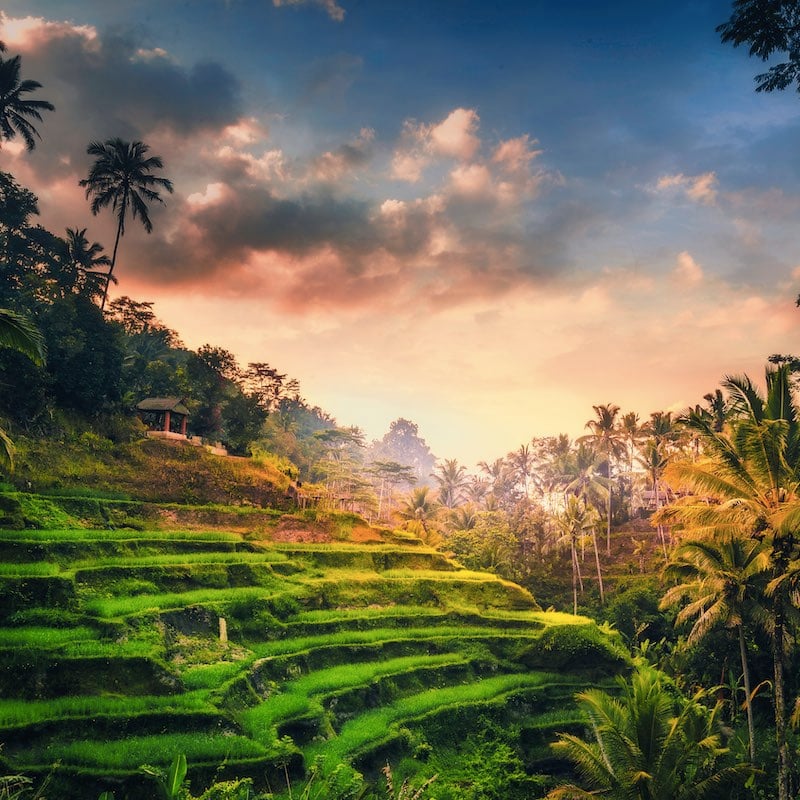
{"points": [[330, 654]]}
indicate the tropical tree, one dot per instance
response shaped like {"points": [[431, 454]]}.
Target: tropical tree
{"points": [[723, 579], [632, 433], [647, 744], [747, 485], [606, 437], [419, 511], [654, 459], [79, 268], [452, 479], [122, 177], [18, 333], [768, 27], [16, 112], [576, 521]]}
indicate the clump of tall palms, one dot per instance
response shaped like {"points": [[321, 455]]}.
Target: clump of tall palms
{"points": [[647, 743], [746, 486], [122, 177]]}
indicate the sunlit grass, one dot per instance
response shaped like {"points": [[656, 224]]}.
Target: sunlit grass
{"points": [[133, 751], [379, 725], [380, 635], [212, 676], [88, 534], [39, 569], [112, 608], [43, 637], [28, 712]]}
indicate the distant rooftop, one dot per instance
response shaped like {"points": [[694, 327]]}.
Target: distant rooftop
{"points": [[174, 404]]}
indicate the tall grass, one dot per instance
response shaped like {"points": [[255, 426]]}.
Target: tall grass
{"points": [[28, 712], [88, 534], [211, 676], [297, 697], [40, 569], [113, 608], [377, 726], [131, 752], [43, 637], [379, 635]]}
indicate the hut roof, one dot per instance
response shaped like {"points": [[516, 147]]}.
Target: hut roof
{"points": [[173, 404]]}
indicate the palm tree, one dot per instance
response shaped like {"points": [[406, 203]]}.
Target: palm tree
{"points": [[751, 472], [419, 509], [574, 522], [606, 438], [632, 434], [18, 333], [79, 270], [16, 112], [122, 177], [654, 459], [452, 478], [647, 745], [722, 579]]}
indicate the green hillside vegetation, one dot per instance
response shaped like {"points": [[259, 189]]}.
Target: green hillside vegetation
{"points": [[112, 658]]}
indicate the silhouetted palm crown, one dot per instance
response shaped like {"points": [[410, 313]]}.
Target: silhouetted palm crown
{"points": [[16, 112]]}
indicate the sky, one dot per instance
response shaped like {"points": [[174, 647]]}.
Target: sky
{"points": [[483, 217]]}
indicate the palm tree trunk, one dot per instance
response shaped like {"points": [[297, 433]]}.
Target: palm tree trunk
{"points": [[574, 579], [748, 705], [597, 563], [608, 514], [780, 703], [111, 268]]}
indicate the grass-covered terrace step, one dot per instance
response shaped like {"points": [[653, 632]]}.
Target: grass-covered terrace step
{"points": [[377, 727]]}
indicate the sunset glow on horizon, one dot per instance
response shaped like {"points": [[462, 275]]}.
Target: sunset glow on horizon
{"points": [[485, 219]]}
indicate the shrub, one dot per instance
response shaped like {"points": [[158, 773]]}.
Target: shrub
{"points": [[569, 647]]}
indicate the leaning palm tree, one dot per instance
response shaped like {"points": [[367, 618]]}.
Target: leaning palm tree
{"points": [[122, 177], [18, 333], [747, 485], [723, 579], [16, 112], [646, 745]]}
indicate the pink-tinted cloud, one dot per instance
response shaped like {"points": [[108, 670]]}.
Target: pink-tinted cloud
{"points": [[698, 188]]}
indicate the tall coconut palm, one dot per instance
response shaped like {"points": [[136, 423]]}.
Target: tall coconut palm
{"points": [[122, 177], [654, 459], [576, 521], [18, 333], [723, 579], [632, 433], [646, 745], [452, 479], [16, 112], [751, 471], [606, 438]]}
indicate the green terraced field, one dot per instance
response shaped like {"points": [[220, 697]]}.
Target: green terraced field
{"points": [[111, 655]]}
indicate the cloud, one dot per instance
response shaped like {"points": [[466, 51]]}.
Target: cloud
{"points": [[454, 137], [687, 271], [333, 9], [698, 188], [335, 164], [115, 84]]}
